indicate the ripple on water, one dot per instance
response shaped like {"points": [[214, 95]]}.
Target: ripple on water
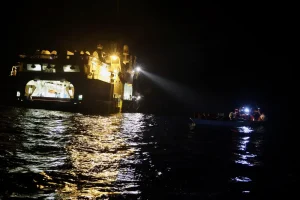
{"points": [[60, 155]]}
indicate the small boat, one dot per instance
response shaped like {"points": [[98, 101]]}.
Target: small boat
{"points": [[224, 123], [243, 116]]}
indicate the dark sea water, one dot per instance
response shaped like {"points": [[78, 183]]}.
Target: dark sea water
{"points": [[60, 155]]}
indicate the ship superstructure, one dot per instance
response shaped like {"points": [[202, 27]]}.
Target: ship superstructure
{"points": [[101, 79]]}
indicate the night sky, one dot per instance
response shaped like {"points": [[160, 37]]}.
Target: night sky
{"points": [[232, 52]]}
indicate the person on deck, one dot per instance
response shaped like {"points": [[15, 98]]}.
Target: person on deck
{"points": [[231, 115], [262, 117]]}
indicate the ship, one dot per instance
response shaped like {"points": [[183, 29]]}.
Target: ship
{"points": [[101, 80]]}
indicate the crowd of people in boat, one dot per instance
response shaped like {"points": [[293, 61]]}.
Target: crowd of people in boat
{"points": [[209, 116], [238, 114], [247, 114]]}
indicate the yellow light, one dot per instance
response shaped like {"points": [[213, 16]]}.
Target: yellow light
{"points": [[114, 57]]}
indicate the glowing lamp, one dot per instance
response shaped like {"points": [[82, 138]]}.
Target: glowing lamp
{"points": [[114, 57]]}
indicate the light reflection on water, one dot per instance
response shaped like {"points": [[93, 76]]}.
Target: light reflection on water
{"points": [[247, 156], [59, 155], [97, 152], [70, 155]]}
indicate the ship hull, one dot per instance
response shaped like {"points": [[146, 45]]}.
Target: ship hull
{"points": [[90, 96]]}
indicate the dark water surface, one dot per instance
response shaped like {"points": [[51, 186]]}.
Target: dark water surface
{"points": [[59, 155]]}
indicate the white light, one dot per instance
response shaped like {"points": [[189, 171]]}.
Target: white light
{"points": [[80, 97], [245, 129], [138, 97], [138, 69], [114, 57], [18, 94], [247, 110]]}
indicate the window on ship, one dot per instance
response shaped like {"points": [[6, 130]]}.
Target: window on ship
{"points": [[71, 68], [48, 68]]}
